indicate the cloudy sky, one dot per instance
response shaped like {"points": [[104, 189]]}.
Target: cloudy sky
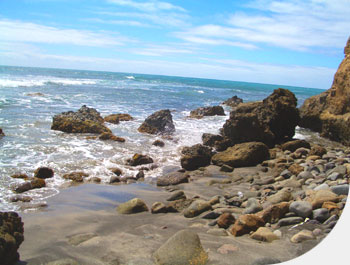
{"points": [[290, 42]]}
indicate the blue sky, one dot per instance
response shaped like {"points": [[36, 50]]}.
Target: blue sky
{"points": [[290, 42]]}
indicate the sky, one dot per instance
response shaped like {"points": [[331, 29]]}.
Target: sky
{"points": [[290, 42]]}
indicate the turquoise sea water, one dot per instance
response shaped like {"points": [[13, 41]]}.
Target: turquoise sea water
{"points": [[30, 97]]}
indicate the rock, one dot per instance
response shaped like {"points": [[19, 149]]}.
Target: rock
{"points": [[139, 159], [177, 195], [246, 223], [214, 200], [114, 179], [173, 178], [64, 262], [116, 118], [80, 238], [322, 196], [317, 150], [271, 121], [211, 215], [211, 139], [274, 212], [289, 221], [135, 205], [226, 168], [159, 207], [217, 232], [340, 189], [264, 234], [195, 157], [1, 133], [301, 208], [296, 169], [302, 236], [158, 143], [294, 145], [233, 102], [85, 120], [321, 214], [266, 261], [253, 206], [43, 173], [196, 208], [327, 112], [242, 155], [160, 122], [182, 248], [281, 196], [76, 176], [207, 111], [323, 186], [20, 176], [180, 205], [34, 183], [11, 237], [226, 220], [116, 171], [110, 136], [18, 198]]}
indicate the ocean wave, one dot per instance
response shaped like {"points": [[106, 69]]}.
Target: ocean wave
{"points": [[42, 81]]}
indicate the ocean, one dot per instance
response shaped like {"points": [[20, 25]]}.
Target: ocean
{"points": [[30, 97]]}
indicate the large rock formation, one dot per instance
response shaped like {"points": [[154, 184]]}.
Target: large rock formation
{"points": [[160, 122], [233, 102], [270, 121], [11, 236], [85, 120], [329, 112]]}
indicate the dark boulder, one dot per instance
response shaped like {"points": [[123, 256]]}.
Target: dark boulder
{"points": [[196, 156], [242, 155], [328, 112], [76, 176], [43, 173], [160, 122], [295, 144], [11, 237], [85, 120], [207, 111], [270, 121], [158, 143], [139, 159], [1, 133], [31, 184], [217, 141], [233, 102]]}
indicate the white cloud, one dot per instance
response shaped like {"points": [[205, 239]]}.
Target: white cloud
{"points": [[18, 31], [118, 22], [291, 24], [236, 70], [149, 6], [158, 50]]}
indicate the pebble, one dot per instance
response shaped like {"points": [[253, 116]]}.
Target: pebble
{"points": [[289, 221], [211, 215], [302, 236], [217, 232], [317, 232], [301, 208], [176, 195], [266, 261], [323, 186], [340, 189], [320, 215]]}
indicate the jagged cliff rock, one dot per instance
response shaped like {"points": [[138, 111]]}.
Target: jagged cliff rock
{"points": [[270, 121], [329, 112]]}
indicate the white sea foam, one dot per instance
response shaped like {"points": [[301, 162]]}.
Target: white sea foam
{"points": [[130, 77]]}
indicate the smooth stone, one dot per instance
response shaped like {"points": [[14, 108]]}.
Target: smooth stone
{"points": [[264, 234], [305, 175], [340, 189], [317, 232], [331, 225], [176, 195], [135, 205], [196, 208], [159, 207], [253, 206], [289, 221], [331, 219], [302, 236], [334, 176], [211, 215], [320, 215], [301, 208], [323, 186], [182, 248], [214, 200], [278, 233]]}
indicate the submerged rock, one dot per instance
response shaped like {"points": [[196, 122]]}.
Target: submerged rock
{"points": [[1, 133], [43, 173], [34, 183], [116, 118], [11, 237], [182, 248], [207, 111], [160, 122], [110, 136], [328, 112], [76, 176], [195, 157], [85, 120], [270, 121], [242, 155]]}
